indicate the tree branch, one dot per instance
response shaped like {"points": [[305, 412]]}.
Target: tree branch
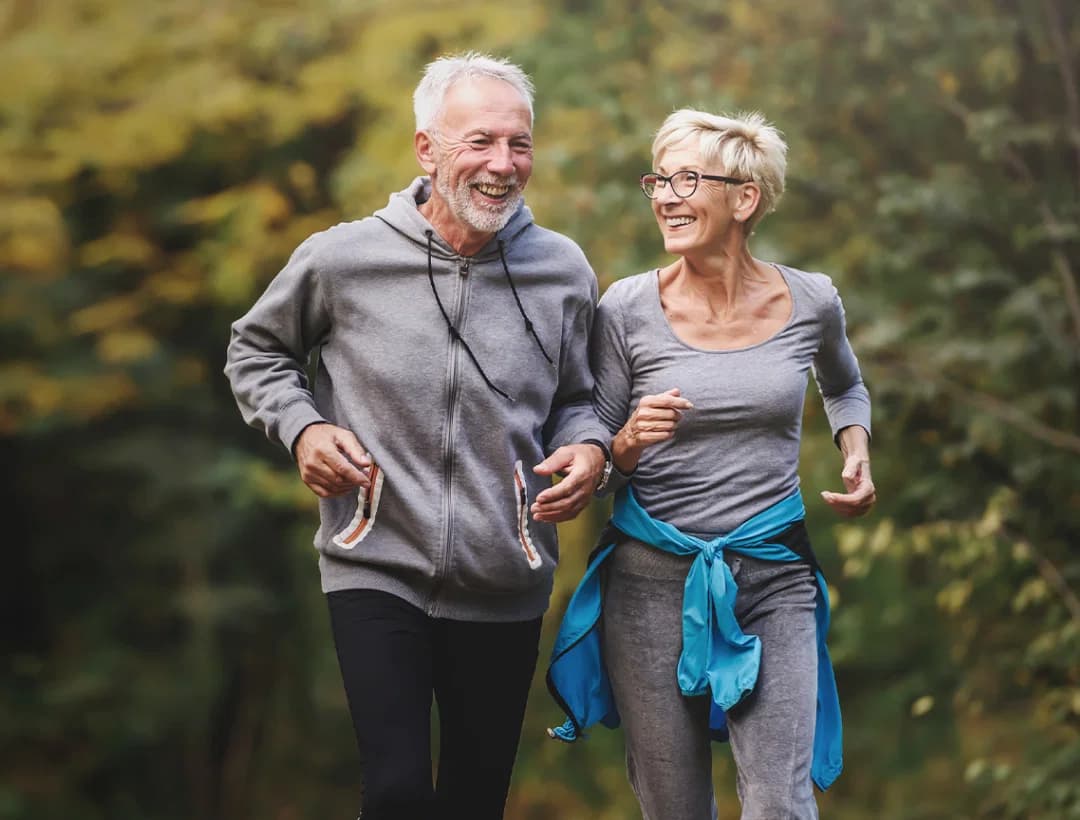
{"points": [[1052, 575], [1055, 25], [999, 409], [1060, 261]]}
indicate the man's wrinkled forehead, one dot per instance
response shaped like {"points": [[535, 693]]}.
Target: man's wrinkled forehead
{"points": [[485, 104]]}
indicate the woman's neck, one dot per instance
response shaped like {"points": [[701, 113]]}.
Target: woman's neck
{"points": [[719, 280]]}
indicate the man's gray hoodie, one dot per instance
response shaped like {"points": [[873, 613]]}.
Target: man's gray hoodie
{"points": [[453, 425]]}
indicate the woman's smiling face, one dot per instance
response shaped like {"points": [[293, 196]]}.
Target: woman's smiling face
{"points": [[700, 222]]}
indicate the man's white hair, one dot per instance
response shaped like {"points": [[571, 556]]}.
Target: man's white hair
{"points": [[441, 74], [745, 146]]}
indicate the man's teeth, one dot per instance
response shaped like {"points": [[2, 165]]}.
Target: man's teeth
{"points": [[679, 221], [493, 190]]}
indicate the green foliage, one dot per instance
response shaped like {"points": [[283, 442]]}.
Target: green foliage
{"points": [[166, 648]]}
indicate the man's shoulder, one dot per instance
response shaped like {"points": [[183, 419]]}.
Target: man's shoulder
{"points": [[343, 245], [341, 235], [552, 244]]}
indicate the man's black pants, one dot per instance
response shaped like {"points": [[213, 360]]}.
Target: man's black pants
{"points": [[393, 657]]}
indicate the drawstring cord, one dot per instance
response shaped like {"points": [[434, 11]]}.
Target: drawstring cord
{"points": [[454, 334], [524, 315]]}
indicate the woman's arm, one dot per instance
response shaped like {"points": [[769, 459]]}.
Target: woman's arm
{"points": [[847, 405], [860, 494]]}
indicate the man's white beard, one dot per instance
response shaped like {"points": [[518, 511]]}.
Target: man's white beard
{"points": [[485, 218]]}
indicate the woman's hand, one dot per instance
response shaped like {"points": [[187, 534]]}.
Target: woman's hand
{"points": [[652, 422], [860, 495]]}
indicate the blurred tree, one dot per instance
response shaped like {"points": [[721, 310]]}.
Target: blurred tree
{"points": [[166, 651]]}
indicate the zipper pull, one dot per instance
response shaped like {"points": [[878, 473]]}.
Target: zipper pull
{"points": [[463, 266]]}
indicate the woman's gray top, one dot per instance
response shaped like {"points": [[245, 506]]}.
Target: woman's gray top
{"points": [[737, 452]]}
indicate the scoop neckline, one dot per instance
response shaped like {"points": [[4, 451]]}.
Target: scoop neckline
{"points": [[659, 307]]}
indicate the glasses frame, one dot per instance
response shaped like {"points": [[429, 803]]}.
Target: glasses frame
{"points": [[697, 175]]}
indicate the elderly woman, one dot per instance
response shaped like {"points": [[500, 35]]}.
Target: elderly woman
{"points": [[701, 370]]}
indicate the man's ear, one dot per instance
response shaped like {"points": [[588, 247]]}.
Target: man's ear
{"points": [[424, 144]]}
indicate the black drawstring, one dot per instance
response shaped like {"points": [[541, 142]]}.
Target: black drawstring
{"points": [[524, 315], [450, 325]]}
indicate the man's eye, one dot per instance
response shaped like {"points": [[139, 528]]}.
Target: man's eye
{"points": [[522, 146], [479, 143]]}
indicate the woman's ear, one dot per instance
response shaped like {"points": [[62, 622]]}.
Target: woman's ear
{"points": [[746, 201]]}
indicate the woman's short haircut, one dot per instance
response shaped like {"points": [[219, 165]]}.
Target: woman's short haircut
{"points": [[745, 146], [441, 74]]}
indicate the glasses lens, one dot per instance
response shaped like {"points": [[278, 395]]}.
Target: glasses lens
{"points": [[684, 183], [648, 185]]}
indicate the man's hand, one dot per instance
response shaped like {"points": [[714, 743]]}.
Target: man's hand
{"points": [[860, 495], [581, 465], [331, 460]]}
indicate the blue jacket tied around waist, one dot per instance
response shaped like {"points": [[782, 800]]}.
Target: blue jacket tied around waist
{"points": [[717, 657]]}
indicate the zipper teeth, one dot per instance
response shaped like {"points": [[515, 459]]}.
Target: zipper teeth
{"points": [[448, 435]]}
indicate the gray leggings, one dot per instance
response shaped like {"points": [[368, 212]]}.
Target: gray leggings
{"points": [[668, 751]]}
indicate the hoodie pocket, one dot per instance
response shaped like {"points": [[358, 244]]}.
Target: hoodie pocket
{"points": [[532, 555], [367, 509]]}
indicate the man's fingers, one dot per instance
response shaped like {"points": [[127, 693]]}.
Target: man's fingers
{"points": [[350, 445], [331, 460], [562, 510], [346, 470], [556, 462], [563, 489], [332, 471]]}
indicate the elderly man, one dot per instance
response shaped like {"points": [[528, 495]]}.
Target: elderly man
{"points": [[451, 332]]}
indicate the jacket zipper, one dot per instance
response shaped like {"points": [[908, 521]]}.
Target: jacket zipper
{"points": [[448, 436]]}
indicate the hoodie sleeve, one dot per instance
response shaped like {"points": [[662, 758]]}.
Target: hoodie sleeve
{"points": [[572, 418], [269, 349]]}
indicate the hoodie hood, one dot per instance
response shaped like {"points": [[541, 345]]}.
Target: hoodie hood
{"points": [[402, 213]]}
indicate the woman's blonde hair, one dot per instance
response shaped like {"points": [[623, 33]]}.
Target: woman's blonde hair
{"points": [[744, 146]]}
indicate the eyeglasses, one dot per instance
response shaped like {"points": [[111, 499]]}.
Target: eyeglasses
{"points": [[683, 183]]}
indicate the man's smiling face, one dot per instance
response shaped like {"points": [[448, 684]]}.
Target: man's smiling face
{"points": [[482, 152]]}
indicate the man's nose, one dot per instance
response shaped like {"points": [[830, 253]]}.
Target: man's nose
{"points": [[501, 161]]}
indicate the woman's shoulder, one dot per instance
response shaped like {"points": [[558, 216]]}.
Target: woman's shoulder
{"points": [[630, 288], [816, 290]]}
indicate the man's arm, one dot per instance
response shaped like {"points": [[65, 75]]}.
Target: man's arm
{"points": [[266, 367], [573, 422]]}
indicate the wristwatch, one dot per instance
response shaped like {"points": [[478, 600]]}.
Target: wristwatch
{"points": [[605, 475]]}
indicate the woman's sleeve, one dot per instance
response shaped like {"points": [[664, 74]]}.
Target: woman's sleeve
{"points": [[613, 378], [837, 373]]}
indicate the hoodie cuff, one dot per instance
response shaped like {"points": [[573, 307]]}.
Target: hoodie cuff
{"points": [[579, 435], [293, 420]]}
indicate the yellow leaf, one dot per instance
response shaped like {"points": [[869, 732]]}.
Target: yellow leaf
{"points": [[117, 248], [921, 706], [110, 313], [948, 83], [125, 346], [955, 595]]}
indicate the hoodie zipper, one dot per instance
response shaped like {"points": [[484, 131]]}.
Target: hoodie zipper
{"points": [[463, 263]]}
